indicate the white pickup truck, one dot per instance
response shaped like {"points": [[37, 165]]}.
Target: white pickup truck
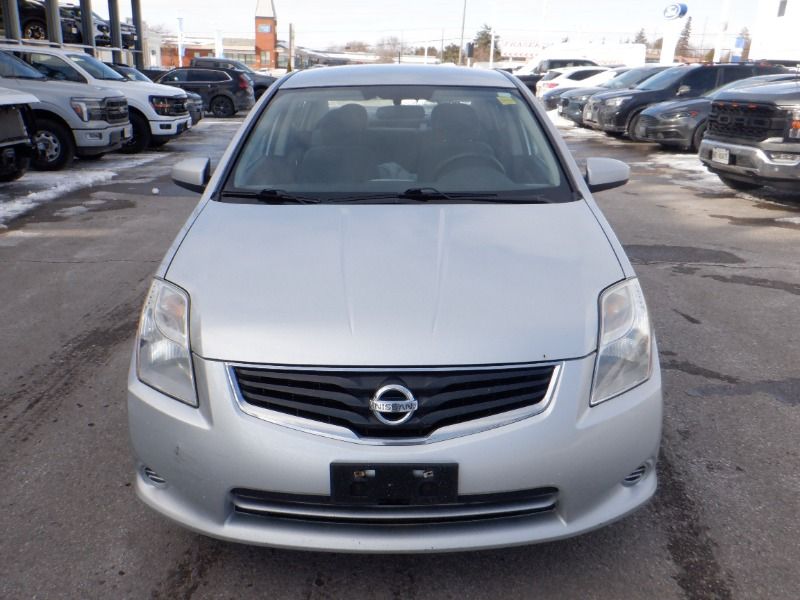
{"points": [[158, 113]]}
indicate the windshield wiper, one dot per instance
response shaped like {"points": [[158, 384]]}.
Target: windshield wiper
{"points": [[273, 196]]}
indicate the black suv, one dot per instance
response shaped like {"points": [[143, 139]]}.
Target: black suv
{"points": [[260, 82], [224, 91], [33, 21], [618, 113]]}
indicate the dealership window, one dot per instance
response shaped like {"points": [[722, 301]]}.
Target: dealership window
{"points": [[266, 57], [782, 8]]}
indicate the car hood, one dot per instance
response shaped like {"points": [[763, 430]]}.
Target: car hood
{"points": [[571, 93], [9, 97], [46, 89], [784, 94], [394, 285], [699, 104], [124, 87]]}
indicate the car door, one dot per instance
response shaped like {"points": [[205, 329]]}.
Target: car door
{"points": [[206, 83], [176, 78]]}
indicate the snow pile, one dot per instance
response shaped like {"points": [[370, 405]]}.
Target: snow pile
{"points": [[44, 186]]}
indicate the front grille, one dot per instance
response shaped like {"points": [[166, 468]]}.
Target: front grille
{"points": [[117, 111], [12, 127], [647, 121], [342, 397], [177, 107], [471, 507], [755, 122]]}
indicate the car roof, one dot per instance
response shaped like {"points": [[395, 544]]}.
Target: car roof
{"points": [[397, 75]]}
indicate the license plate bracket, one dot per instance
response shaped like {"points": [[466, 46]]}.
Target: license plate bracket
{"points": [[721, 155], [395, 484]]}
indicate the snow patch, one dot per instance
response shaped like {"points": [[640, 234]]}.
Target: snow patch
{"points": [[792, 220], [72, 211]]}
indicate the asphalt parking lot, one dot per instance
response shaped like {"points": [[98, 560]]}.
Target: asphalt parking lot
{"points": [[721, 275]]}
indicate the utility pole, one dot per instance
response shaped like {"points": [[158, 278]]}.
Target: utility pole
{"points": [[441, 49], [291, 48], [491, 43], [180, 41], [463, 22]]}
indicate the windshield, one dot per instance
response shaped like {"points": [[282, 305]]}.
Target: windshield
{"points": [[630, 79], [134, 75], [329, 142], [11, 66], [95, 68], [663, 80]]}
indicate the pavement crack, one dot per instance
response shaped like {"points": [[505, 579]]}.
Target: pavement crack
{"points": [[689, 318], [786, 391], [772, 284], [184, 579], [692, 369], [689, 542]]}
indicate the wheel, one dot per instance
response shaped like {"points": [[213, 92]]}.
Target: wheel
{"points": [[633, 125], [258, 91], [698, 137], [141, 135], [16, 171], [222, 106], [34, 29], [467, 156], [55, 144], [741, 186]]}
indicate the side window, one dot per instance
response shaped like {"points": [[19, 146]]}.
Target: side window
{"points": [[174, 77], [51, 66], [198, 75], [217, 76], [735, 73], [700, 81], [581, 75]]}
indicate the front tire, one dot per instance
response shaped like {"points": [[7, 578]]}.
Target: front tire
{"points": [[222, 106], [34, 29], [55, 143], [141, 135], [740, 186], [697, 138], [16, 171]]}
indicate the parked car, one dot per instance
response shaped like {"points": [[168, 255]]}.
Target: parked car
{"points": [[261, 82], [682, 123], [573, 101], [568, 76], [71, 118], [101, 28], [157, 113], [753, 137], [617, 113], [194, 103], [416, 338], [16, 131], [552, 98], [530, 74], [33, 22], [224, 91]]}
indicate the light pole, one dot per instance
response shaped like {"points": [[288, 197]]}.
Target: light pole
{"points": [[180, 41], [463, 22]]}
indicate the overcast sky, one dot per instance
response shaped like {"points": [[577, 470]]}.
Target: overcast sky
{"points": [[321, 23]]}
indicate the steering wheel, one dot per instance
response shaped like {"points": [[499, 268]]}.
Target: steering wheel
{"points": [[449, 162]]}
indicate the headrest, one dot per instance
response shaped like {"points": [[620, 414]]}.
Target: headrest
{"points": [[339, 125]]}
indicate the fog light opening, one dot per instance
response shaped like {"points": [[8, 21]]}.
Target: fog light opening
{"points": [[154, 477], [635, 476]]}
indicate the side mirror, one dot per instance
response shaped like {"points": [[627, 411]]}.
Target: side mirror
{"points": [[192, 174], [684, 90], [606, 173]]}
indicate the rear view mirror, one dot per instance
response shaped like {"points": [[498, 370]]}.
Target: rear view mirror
{"points": [[606, 173], [192, 174]]}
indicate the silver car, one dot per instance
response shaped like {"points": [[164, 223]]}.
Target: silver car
{"points": [[396, 322]]}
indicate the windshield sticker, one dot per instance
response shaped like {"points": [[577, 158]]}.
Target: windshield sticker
{"points": [[505, 98]]}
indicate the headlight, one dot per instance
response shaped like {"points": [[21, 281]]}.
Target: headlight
{"points": [[793, 129], [163, 357], [624, 343], [583, 98], [683, 114], [619, 101], [88, 109], [161, 105]]}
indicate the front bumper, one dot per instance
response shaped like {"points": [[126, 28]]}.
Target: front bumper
{"points": [[754, 164], [170, 127], [607, 118], [204, 453], [90, 142], [668, 133], [572, 111]]}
